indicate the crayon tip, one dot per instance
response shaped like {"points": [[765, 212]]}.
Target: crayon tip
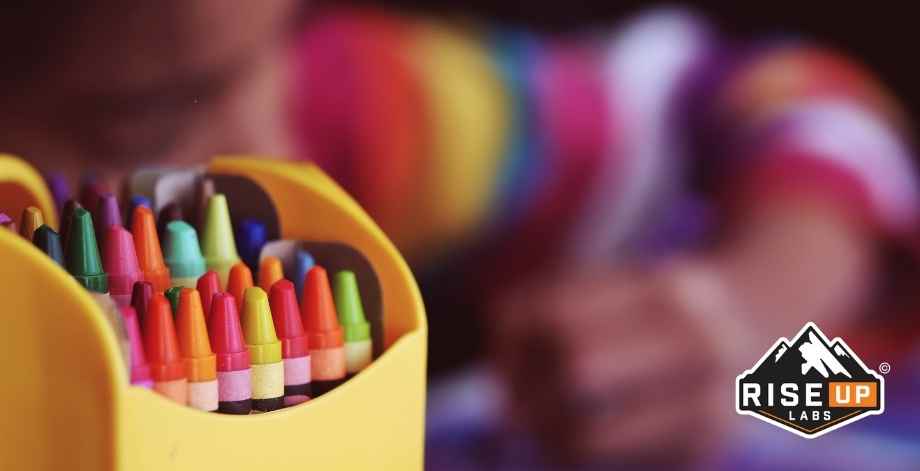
{"points": [[259, 328], [7, 222], [49, 242], [240, 280], [318, 312], [140, 369], [303, 263], [83, 260], [149, 253], [208, 285], [120, 261], [60, 189], [31, 220], [183, 254], [217, 242], [200, 361], [66, 219], [288, 325], [226, 334], [161, 342], [140, 299], [135, 202], [108, 214], [172, 294], [251, 235], [270, 271], [349, 307], [169, 213]]}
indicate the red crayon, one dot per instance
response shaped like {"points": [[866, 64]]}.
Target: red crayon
{"points": [[234, 375], [140, 369], [162, 347], [208, 286], [295, 349], [140, 299], [120, 262]]}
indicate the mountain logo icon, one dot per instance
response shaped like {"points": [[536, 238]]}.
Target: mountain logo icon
{"points": [[810, 385]]}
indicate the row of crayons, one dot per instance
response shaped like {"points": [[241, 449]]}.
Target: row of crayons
{"points": [[195, 326]]}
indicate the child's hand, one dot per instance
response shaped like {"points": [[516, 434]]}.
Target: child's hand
{"points": [[624, 367]]}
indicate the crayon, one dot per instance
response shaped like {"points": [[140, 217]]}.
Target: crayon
{"points": [[303, 262], [135, 202], [140, 299], [251, 236], [31, 220], [200, 361], [358, 344], [270, 271], [149, 253], [208, 285], [7, 222], [60, 190], [107, 214], [82, 254], [120, 263], [204, 190], [140, 369], [162, 347], [49, 242], [169, 213], [66, 218], [324, 334], [295, 350], [183, 254], [264, 352], [172, 294], [240, 280], [234, 374], [217, 242], [91, 192]]}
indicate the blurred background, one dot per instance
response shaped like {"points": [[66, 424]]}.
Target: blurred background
{"points": [[612, 208]]}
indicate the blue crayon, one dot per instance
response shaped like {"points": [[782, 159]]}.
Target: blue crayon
{"points": [[251, 235], [303, 262]]}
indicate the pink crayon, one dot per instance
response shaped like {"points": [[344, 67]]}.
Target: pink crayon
{"points": [[140, 369]]}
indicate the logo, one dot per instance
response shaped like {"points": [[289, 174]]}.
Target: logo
{"points": [[810, 385]]}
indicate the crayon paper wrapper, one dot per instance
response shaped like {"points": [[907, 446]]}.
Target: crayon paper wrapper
{"points": [[328, 364], [203, 395], [268, 380], [296, 371], [357, 355], [234, 385]]}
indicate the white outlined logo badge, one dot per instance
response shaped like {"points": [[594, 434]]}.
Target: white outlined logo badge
{"points": [[810, 386]]}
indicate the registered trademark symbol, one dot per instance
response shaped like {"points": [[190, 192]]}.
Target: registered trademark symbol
{"points": [[884, 368]]}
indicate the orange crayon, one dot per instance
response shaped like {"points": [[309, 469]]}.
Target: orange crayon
{"points": [[270, 271], [149, 252], [200, 361], [240, 279]]}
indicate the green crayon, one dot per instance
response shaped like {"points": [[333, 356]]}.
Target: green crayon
{"points": [[358, 344], [83, 260]]}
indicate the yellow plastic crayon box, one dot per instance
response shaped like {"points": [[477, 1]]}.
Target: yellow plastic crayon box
{"points": [[66, 391]]}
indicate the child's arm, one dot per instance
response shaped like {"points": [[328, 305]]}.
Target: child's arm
{"points": [[638, 365]]}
